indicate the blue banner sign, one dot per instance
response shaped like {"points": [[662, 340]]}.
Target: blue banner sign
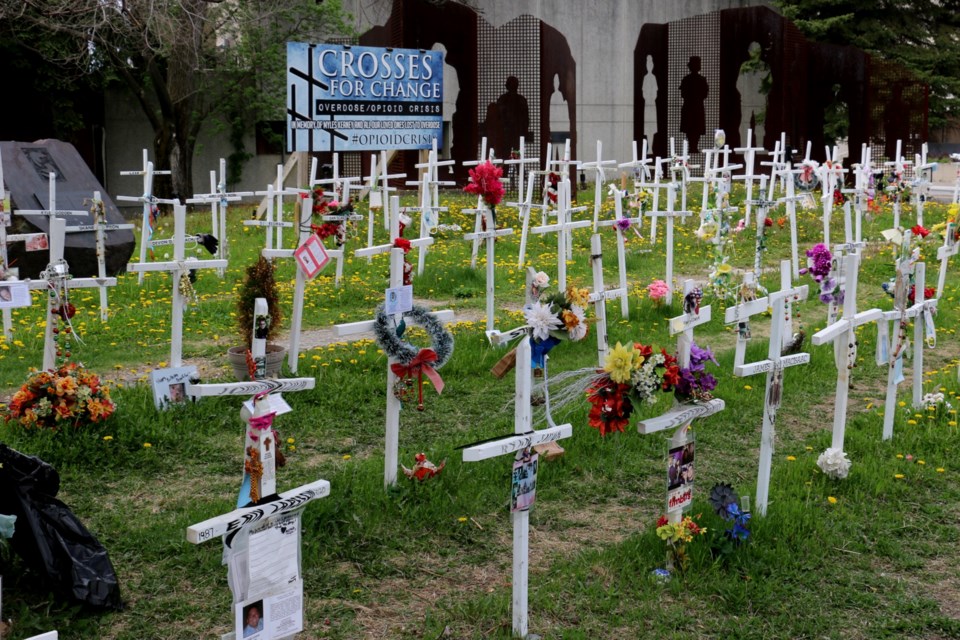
{"points": [[351, 98]]}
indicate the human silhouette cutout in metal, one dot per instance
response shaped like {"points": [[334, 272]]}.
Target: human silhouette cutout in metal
{"points": [[693, 92], [649, 103]]}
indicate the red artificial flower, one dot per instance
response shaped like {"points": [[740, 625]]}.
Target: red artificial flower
{"points": [[610, 407], [838, 198], [671, 377], [662, 521], [928, 293], [402, 243], [768, 222], [645, 350], [485, 182], [920, 231]]}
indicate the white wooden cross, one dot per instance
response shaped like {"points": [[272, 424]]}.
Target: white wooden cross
{"points": [[790, 199], [385, 189], [521, 161], [340, 185], [679, 164], [600, 296], [749, 156], [149, 202], [950, 248], [429, 208], [485, 156], [562, 228], [780, 336], [891, 351], [300, 280], [219, 199], [763, 208], [682, 416], [51, 211], [670, 215], [178, 268], [923, 176], [562, 166], [924, 332], [863, 174], [898, 166], [244, 528], [274, 213], [639, 168], [831, 177], [58, 273], [617, 223], [778, 163], [524, 205], [100, 227], [842, 333], [525, 438], [490, 235], [747, 305], [597, 167], [392, 443]]}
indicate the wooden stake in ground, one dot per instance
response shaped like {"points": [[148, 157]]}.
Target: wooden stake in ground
{"points": [[518, 445], [681, 416], [392, 443], [842, 334], [773, 366], [179, 269]]}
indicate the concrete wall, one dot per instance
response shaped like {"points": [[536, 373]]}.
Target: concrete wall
{"points": [[602, 36]]}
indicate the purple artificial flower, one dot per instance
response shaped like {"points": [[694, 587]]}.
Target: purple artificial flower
{"points": [[622, 224], [707, 382], [826, 298], [700, 356]]}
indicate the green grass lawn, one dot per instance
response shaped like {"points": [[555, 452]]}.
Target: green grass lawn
{"points": [[872, 556]]}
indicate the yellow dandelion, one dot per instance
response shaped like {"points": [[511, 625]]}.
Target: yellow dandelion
{"points": [[831, 500], [791, 458], [899, 476]]}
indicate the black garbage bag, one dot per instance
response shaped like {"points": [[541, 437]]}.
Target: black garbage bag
{"points": [[49, 537]]}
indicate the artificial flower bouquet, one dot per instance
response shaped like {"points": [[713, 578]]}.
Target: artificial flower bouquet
{"points": [[554, 317], [634, 375], [70, 396], [820, 267], [677, 535], [657, 291], [322, 206]]}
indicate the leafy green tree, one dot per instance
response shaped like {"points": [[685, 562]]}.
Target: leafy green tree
{"points": [[921, 35], [185, 61]]}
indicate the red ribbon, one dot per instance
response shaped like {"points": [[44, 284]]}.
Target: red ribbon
{"points": [[420, 366]]}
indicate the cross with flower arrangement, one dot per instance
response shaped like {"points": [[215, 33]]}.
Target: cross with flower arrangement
{"points": [[842, 333], [622, 224], [897, 189], [563, 228], [780, 356], [485, 183]]}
